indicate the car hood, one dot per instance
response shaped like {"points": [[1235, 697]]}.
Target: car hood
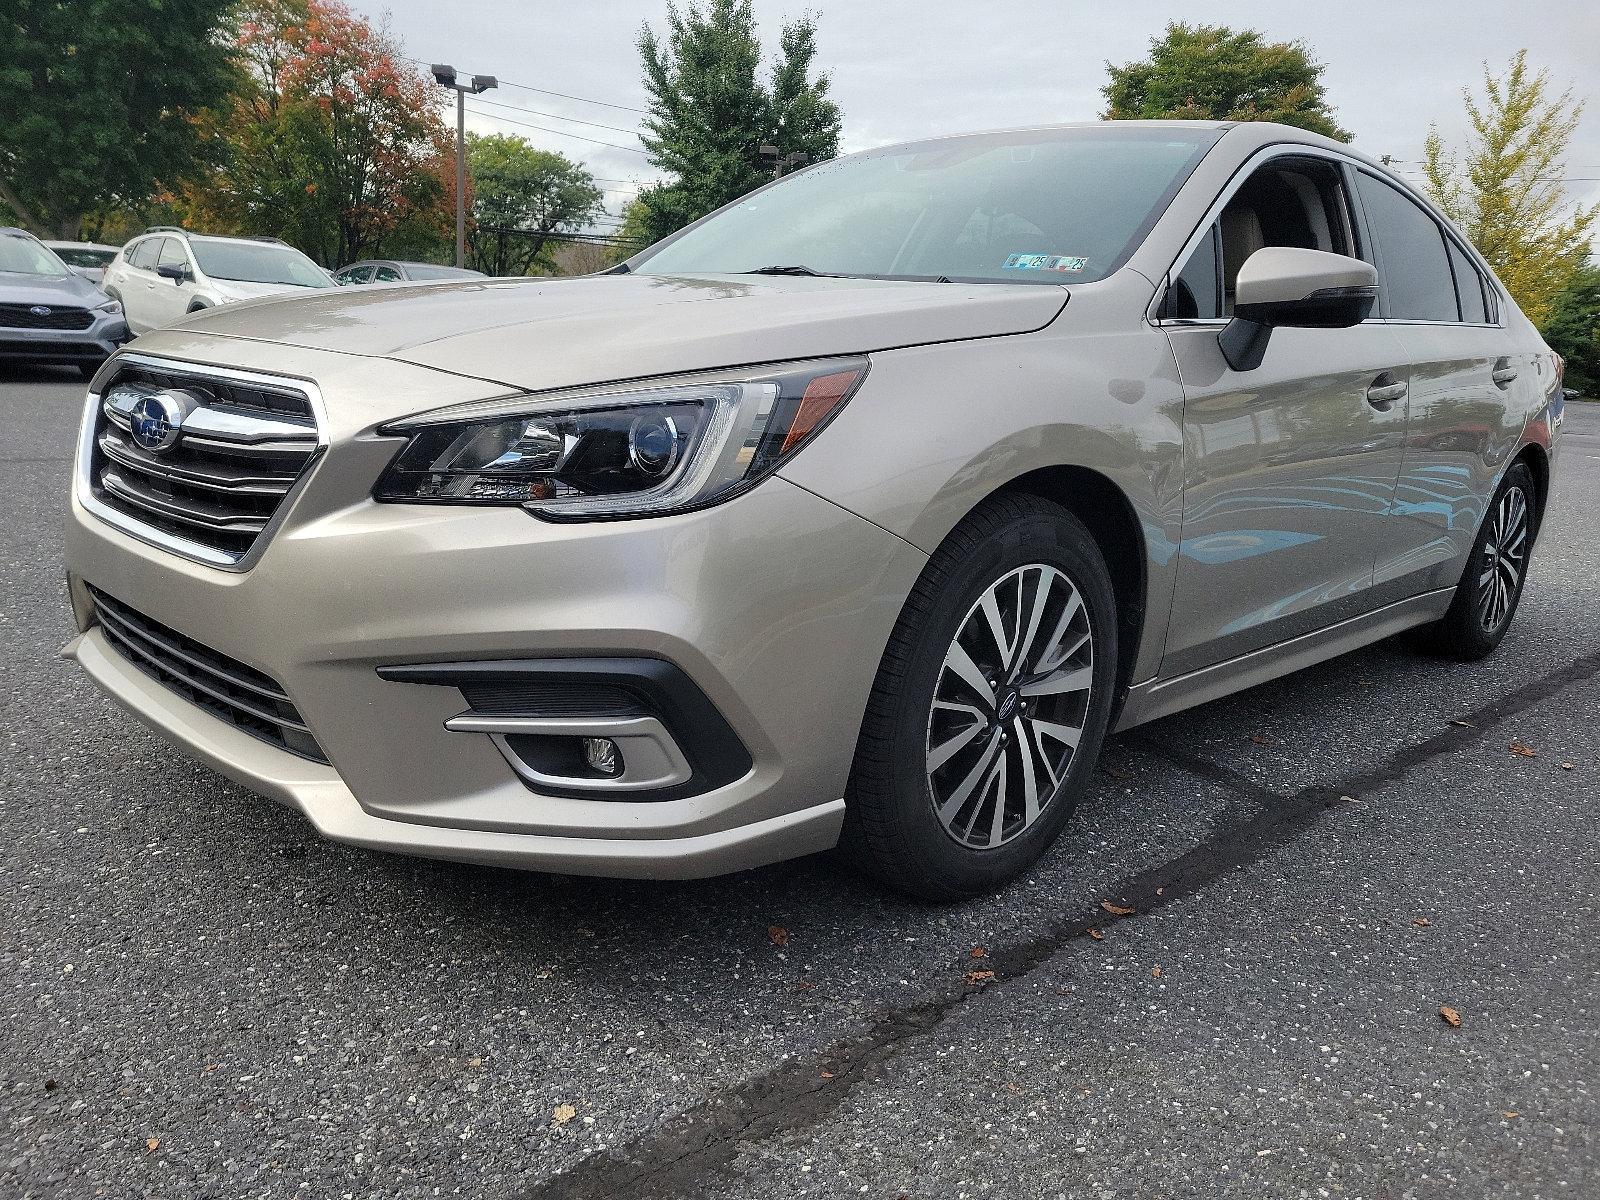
{"points": [[51, 290], [546, 333]]}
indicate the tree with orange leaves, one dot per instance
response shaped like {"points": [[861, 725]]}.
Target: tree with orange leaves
{"points": [[334, 144]]}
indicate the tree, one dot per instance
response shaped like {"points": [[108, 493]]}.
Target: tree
{"points": [[1506, 194], [710, 113], [98, 97], [1573, 330], [335, 145], [1213, 73], [520, 196]]}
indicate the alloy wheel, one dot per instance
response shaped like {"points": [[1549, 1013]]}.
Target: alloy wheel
{"points": [[1010, 706], [1504, 559]]}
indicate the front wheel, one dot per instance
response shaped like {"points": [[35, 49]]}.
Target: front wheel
{"points": [[989, 707], [1486, 598]]}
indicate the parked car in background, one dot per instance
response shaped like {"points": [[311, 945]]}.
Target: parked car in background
{"points": [[167, 273], [863, 508], [89, 259], [49, 313], [389, 270]]}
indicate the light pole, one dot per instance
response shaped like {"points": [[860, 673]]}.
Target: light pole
{"points": [[445, 76]]}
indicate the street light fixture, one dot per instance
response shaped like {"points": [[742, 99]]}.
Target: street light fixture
{"points": [[445, 76]]}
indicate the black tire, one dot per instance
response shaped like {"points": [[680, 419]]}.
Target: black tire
{"points": [[892, 829], [1464, 633]]}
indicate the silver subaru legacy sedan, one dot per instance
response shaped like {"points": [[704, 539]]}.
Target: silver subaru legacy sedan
{"points": [[856, 513]]}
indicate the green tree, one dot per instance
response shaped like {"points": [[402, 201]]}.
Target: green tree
{"points": [[1506, 193], [710, 113], [520, 196], [1573, 330], [98, 97], [335, 145], [1213, 73]]}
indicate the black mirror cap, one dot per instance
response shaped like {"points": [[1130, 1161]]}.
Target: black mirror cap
{"points": [[1329, 308], [1244, 341], [173, 272]]}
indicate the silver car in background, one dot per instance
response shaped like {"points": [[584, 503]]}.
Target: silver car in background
{"points": [[861, 510]]}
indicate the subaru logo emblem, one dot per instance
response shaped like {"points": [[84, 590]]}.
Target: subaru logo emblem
{"points": [[157, 419], [40, 310]]}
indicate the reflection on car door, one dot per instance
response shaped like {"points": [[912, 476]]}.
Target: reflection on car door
{"points": [[1290, 469], [138, 288], [1464, 365]]}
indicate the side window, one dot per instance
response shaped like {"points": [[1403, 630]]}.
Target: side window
{"points": [[1469, 287], [172, 254], [386, 275], [1414, 267], [354, 275], [1289, 201], [143, 255]]}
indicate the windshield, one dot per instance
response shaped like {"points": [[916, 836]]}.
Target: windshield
{"points": [[258, 262], [85, 256], [27, 257], [1037, 206]]}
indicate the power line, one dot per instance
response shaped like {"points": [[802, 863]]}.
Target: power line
{"points": [[547, 92], [533, 112], [557, 132]]}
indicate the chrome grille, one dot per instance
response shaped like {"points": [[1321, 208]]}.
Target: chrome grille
{"points": [[22, 316], [246, 698], [214, 492]]}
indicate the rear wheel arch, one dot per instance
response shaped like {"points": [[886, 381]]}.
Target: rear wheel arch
{"points": [[1534, 457]]}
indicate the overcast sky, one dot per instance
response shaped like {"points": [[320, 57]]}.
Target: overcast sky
{"points": [[908, 68]]}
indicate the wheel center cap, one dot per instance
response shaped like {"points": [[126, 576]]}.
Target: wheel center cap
{"points": [[1007, 707]]}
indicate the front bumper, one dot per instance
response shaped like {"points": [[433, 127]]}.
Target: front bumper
{"points": [[777, 605], [76, 346]]}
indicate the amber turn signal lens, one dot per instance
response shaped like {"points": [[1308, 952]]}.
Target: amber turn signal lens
{"points": [[822, 395]]}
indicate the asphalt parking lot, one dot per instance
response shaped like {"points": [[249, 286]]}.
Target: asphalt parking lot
{"points": [[200, 999]]}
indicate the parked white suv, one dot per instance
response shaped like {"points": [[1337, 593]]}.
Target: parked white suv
{"points": [[168, 273]]}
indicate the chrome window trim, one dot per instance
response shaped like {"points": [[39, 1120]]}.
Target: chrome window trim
{"points": [[1303, 150], [210, 556]]}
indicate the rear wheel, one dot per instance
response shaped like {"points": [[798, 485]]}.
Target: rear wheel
{"points": [[1486, 598], [990, 705]]}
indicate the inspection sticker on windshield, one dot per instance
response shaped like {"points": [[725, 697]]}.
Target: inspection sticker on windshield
{"points": [[1045, 262]]}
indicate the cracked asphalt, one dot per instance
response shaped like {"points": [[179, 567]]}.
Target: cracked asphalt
{"points": [[200, 999]]}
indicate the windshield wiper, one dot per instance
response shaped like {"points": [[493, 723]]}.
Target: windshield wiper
{"points": [[794, 270]]}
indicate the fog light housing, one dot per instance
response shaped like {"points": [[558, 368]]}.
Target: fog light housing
{"points": [[602, 755]]}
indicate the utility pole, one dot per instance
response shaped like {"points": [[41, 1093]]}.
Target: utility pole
{"points": [[445, 76], [782, 164]]}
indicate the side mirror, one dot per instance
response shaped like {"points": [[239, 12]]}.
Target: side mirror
{"points": [[1287, 287], [173, 271]]}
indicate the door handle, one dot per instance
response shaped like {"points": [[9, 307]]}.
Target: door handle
{"points": [[1503, 375], [1385, 390]]}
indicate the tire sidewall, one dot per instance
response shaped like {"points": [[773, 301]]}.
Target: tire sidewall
{"points": [[1058, 540]]}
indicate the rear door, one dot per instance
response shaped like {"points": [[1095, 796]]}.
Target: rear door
{"points": [[1464, 366], [136, 284], [1289, 469]]}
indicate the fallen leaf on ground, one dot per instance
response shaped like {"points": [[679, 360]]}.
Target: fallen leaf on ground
{"points": [[1450, 1016], [210, 1067], [803, 985], [50, 1085], [778, 934], [1464, 724], [1096, 934], [1519, 749], [1347, 800], [979, 952], [1566, 766], [826, 1074], [1259, 740], [1422, 922], [979, 978], [1161, 891], [1155, 972], [152, 1144], [1117, 773], [563, 1114], [1509, 1115], [1117, 910]]}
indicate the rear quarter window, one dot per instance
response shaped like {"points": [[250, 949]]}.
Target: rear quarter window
{"points": [[1413, 264]]}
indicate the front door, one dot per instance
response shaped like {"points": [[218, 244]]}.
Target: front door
{"points": [[1289, 469]]}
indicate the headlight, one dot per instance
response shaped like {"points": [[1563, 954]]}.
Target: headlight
{"points": [[640, 451], [110, 306]]}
